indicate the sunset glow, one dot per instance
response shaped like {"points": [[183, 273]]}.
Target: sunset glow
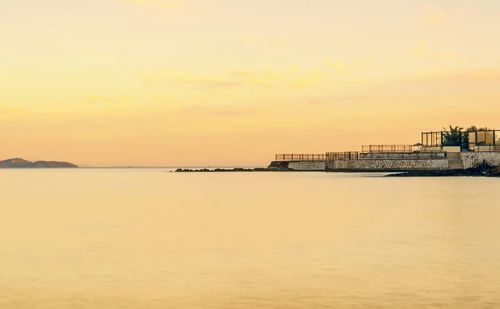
{"points": [[225, 82]]}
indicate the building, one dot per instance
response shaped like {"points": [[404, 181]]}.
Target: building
{"points": [[455, 149]]}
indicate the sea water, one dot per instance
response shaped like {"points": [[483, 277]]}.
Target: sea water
{"points": [[150, 238]]}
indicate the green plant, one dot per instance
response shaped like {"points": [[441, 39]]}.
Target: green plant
{"points": [[454, 136]]}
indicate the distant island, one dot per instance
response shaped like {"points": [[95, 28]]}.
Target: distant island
{"points": [[21, 163]]}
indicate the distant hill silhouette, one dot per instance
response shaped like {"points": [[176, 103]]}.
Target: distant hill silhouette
{"points": [[21, 163]]}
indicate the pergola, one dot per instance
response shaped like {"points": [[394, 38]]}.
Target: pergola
{"points": [[469, 140]]}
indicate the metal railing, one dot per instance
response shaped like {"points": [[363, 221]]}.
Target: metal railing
{"points": [[403, 156], [390, 148], [299, 157], [354, 155], [348, 155]]}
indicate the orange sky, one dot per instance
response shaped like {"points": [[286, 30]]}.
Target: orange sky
{"points": [[228, 82]]}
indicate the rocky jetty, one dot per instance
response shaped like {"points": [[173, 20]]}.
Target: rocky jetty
{"points": [[219, 170], [21, 163]]}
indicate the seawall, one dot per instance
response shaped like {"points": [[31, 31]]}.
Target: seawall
{"points": [[298, 165], [386, 165], [475, 159], [414, 161]]}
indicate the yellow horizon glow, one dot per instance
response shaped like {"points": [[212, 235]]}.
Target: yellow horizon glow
{"points": [[194, 82]]}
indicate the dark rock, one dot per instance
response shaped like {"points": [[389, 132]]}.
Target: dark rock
{"points": [[220, 170], [278, 166]]}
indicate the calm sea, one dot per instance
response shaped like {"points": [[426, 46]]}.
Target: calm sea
{"points": [[149, 238]]}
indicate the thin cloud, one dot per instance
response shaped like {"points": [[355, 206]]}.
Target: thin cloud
{"points": [[490, 76], [105, 100], [425, 50], [434, 16], [458, 86], [229, 111], [209, 83], [236, 79], [167, 4]]}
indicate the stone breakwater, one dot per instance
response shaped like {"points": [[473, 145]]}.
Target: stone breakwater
{"points": [[386, 165], [275, 166], [483, 170], [389, 162], [219, 170]]}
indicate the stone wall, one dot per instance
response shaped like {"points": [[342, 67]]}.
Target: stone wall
{"points": [[387, 165], [391, 162], [306, 165], [474, 159]]}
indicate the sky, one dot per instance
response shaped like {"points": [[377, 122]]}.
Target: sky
{"points": [[232, 82]]}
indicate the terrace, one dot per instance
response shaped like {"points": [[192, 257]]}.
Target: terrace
{"points": [[468, 140], [291, 157]]}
